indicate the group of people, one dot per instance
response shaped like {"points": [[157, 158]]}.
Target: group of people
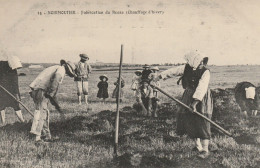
{"points": [[103, 89], [195, 78], [146, 96]]}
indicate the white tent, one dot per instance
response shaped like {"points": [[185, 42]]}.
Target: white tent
{"points": [[35, 66]]}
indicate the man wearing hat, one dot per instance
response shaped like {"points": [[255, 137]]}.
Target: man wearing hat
{"points": [[144, 97], [43, 90], [83, 69], [197, 95], [153, 78], [136, 81], [146, 72]]}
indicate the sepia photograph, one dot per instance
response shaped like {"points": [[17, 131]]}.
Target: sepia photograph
{"points": [[129, 83]]}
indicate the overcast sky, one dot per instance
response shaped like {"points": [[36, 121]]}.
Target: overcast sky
{"points": [[226, 32]]}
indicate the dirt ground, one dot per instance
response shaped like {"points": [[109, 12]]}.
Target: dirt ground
{"points": [[86, 137]]}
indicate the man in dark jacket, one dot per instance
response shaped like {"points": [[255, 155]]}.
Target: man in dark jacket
{"points": [[146, 72]]}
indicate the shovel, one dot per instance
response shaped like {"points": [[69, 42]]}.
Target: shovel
{"points": [[17, 100]]}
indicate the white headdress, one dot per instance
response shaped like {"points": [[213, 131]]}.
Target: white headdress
{"points": [[193, 59]]}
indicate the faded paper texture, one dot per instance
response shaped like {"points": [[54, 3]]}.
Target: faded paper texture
{"points": [[225, 31]]}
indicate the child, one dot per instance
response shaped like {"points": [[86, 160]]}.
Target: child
{"points": [[117, 88], [136, 81], [102, 87]]}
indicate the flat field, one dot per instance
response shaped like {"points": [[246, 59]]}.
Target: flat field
{"points": [[86, 136]]}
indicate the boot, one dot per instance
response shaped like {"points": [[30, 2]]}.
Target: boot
{"points": [[3, 116], [254, 112], [79, 98], [86, 99], [35, 122], [19, 115]]}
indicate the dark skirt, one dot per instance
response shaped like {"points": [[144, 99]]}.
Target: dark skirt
{"points": [[9, 80], [114, 95], [102, 93], [192, 124]]}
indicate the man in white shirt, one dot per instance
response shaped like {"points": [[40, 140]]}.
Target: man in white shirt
{"points": [[43, 90], [83, 69]]}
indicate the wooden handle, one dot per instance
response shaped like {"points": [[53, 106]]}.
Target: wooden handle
{"points": [[191, 110]]}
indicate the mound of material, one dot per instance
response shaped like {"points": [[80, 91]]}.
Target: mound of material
{"points": [[139, 127], [137, 160], [224, 102]]}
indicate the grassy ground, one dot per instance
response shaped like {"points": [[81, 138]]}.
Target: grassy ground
{"points": [[86, 136]]}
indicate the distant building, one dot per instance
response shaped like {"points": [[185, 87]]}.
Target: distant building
{"points": [[35, 66], [99, 62]]}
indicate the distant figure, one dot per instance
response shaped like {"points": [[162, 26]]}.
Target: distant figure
{"points": [[146, 99], [9, 80], [146, 72], [115, 92], [136, 81], [246, 97], [103, 88], [154, 80], [83, 69], [43, 90]]}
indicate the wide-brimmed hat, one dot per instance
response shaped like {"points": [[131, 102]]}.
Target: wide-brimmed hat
{"points": [[155, 68], [69, 67], [103, 76], [146, 66], [84, 56], [138, 72]]}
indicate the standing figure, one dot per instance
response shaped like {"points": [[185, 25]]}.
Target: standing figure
{"points": [[153, 77], [198, 96], [146, 72], [136, 81], [154, 80], [43, 90], [115, 92], [103, 88], [247, 98], [83, 69], [9, 80], [144, 97]]}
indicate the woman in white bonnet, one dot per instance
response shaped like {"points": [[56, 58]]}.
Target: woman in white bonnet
{"points": [[9, 80], [198, 96]]}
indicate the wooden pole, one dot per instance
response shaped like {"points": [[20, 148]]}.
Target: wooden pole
{"points": [[118, 102], [17, 100], [191, 110]]}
